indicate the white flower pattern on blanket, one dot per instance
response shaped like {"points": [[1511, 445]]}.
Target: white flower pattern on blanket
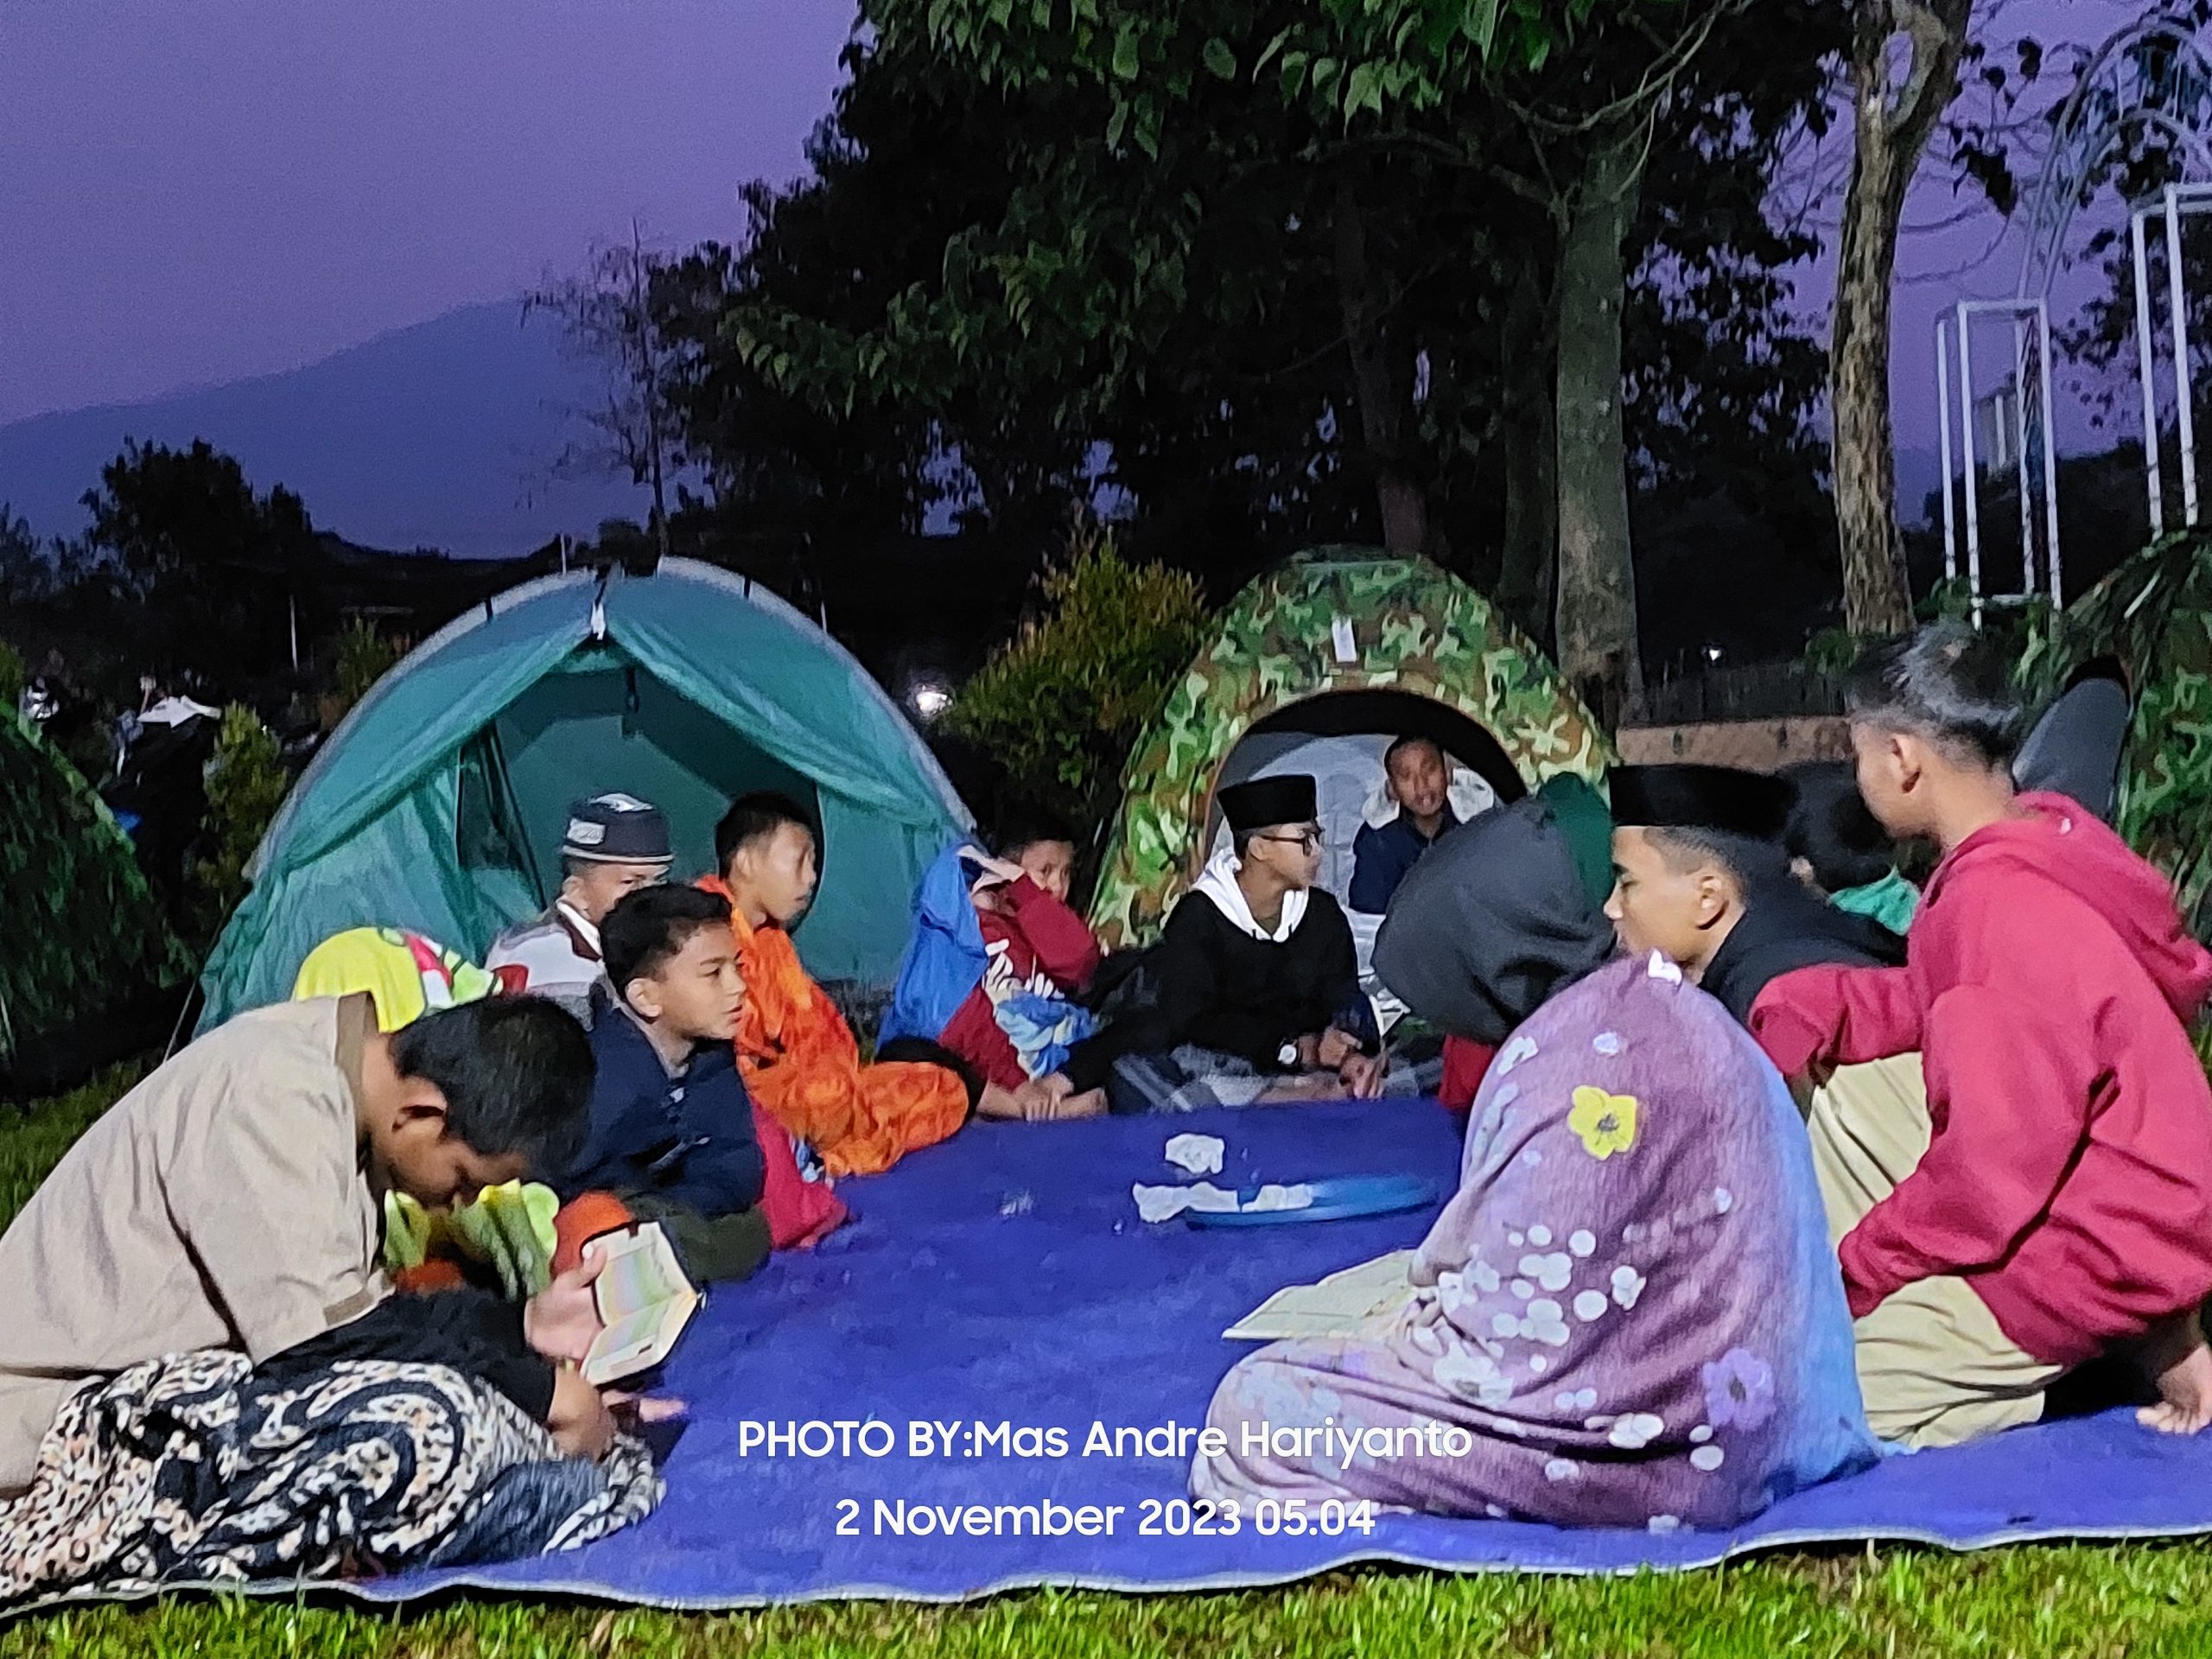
{"points": [[1617, 1332]]}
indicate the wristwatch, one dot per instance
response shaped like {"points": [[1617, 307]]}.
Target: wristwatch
{"points": [[1287, 1054]]}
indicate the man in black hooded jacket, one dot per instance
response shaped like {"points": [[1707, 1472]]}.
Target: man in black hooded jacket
{"points": [[1500, 914]]}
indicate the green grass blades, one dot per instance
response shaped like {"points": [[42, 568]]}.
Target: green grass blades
{"points": [[2129, 1600]]}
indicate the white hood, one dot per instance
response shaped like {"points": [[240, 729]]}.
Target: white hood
{"points": [[1218, 883]]}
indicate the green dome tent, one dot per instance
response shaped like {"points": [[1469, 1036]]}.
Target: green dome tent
{"points": [[1316, 666], [438, 804], [86, 941]]}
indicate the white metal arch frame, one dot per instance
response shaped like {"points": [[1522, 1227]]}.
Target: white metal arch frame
{"points": [[2173, 204], [2031, 351], [2151, 77]]}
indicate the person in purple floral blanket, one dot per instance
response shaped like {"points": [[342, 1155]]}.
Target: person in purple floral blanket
{"points": [[1628, 1316]]}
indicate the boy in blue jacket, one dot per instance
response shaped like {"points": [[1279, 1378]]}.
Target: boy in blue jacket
{"points": [[671, 1125]]}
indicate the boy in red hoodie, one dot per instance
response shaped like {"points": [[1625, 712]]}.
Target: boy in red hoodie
{"points": [[1034, 944], [2055, 1199]]}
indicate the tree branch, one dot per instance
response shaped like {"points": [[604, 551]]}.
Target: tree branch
{"points": [[1930, 36], [1658, 79], [1451, 156]]}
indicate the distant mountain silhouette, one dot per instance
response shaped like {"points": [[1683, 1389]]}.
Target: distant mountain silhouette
{"points": [[437, 435]]}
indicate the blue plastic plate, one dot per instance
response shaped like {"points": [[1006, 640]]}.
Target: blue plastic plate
{"points": [[1338, 1200]]}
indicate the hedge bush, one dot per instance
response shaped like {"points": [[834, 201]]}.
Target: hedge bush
{"points": [[1059, 705]]}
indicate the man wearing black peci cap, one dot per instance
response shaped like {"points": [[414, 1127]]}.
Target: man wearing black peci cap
{"points": [[1252, 991], [1701, 875], [614, 844]]}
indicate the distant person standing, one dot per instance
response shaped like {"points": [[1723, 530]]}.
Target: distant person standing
{"points": [[1419, 781], [613, 845]]}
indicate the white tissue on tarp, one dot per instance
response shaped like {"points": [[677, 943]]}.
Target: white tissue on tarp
{"points": [[1199, 1154], [1160, 1203], [1165, 1203]]}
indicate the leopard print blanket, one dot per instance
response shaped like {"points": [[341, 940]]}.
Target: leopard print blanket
{"points": [[190, 1470]]}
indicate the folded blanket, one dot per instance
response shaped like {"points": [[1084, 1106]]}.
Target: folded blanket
{"points": [[1043, 1029], [191, 1469]]}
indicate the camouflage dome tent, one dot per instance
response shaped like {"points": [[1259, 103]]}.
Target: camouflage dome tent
{"points": [[1328, 658]]}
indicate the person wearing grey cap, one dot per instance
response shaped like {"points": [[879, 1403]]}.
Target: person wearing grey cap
{"points": [[614, 844]]}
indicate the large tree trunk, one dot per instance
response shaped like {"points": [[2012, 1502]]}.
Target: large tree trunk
{"points": [[1529, 438], [1892, 117], [1598, 649], [1382, 377]]}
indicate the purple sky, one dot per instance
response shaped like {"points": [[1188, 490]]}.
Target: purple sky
{"points": [[1943, 263], [192, 193]]}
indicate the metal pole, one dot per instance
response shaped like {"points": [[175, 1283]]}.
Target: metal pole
{"points": [[2049, 460], [1966, 449], [2146, 360], [2184, 419], [2020, 458], [1943, 440]]}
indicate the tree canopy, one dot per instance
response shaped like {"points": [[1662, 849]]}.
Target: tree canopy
{"points": [[1296, 277], [183, 530]]}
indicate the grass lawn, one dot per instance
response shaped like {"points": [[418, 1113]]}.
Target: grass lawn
{"points": [[2134, 1599]]}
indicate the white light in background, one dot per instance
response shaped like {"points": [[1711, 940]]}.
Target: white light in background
{"points": [[929, 698]]}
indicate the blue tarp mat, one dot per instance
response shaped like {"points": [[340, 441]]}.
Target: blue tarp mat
{"points": [[1004, 1277]]}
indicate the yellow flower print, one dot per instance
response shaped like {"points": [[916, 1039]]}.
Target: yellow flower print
{"points": [[1605, 1122]]}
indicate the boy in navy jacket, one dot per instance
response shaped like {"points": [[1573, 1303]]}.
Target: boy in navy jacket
{"points": [[671, 1125]]}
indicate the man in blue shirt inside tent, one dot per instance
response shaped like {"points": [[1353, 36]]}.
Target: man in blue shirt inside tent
{"points": [[1420, 783]]}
